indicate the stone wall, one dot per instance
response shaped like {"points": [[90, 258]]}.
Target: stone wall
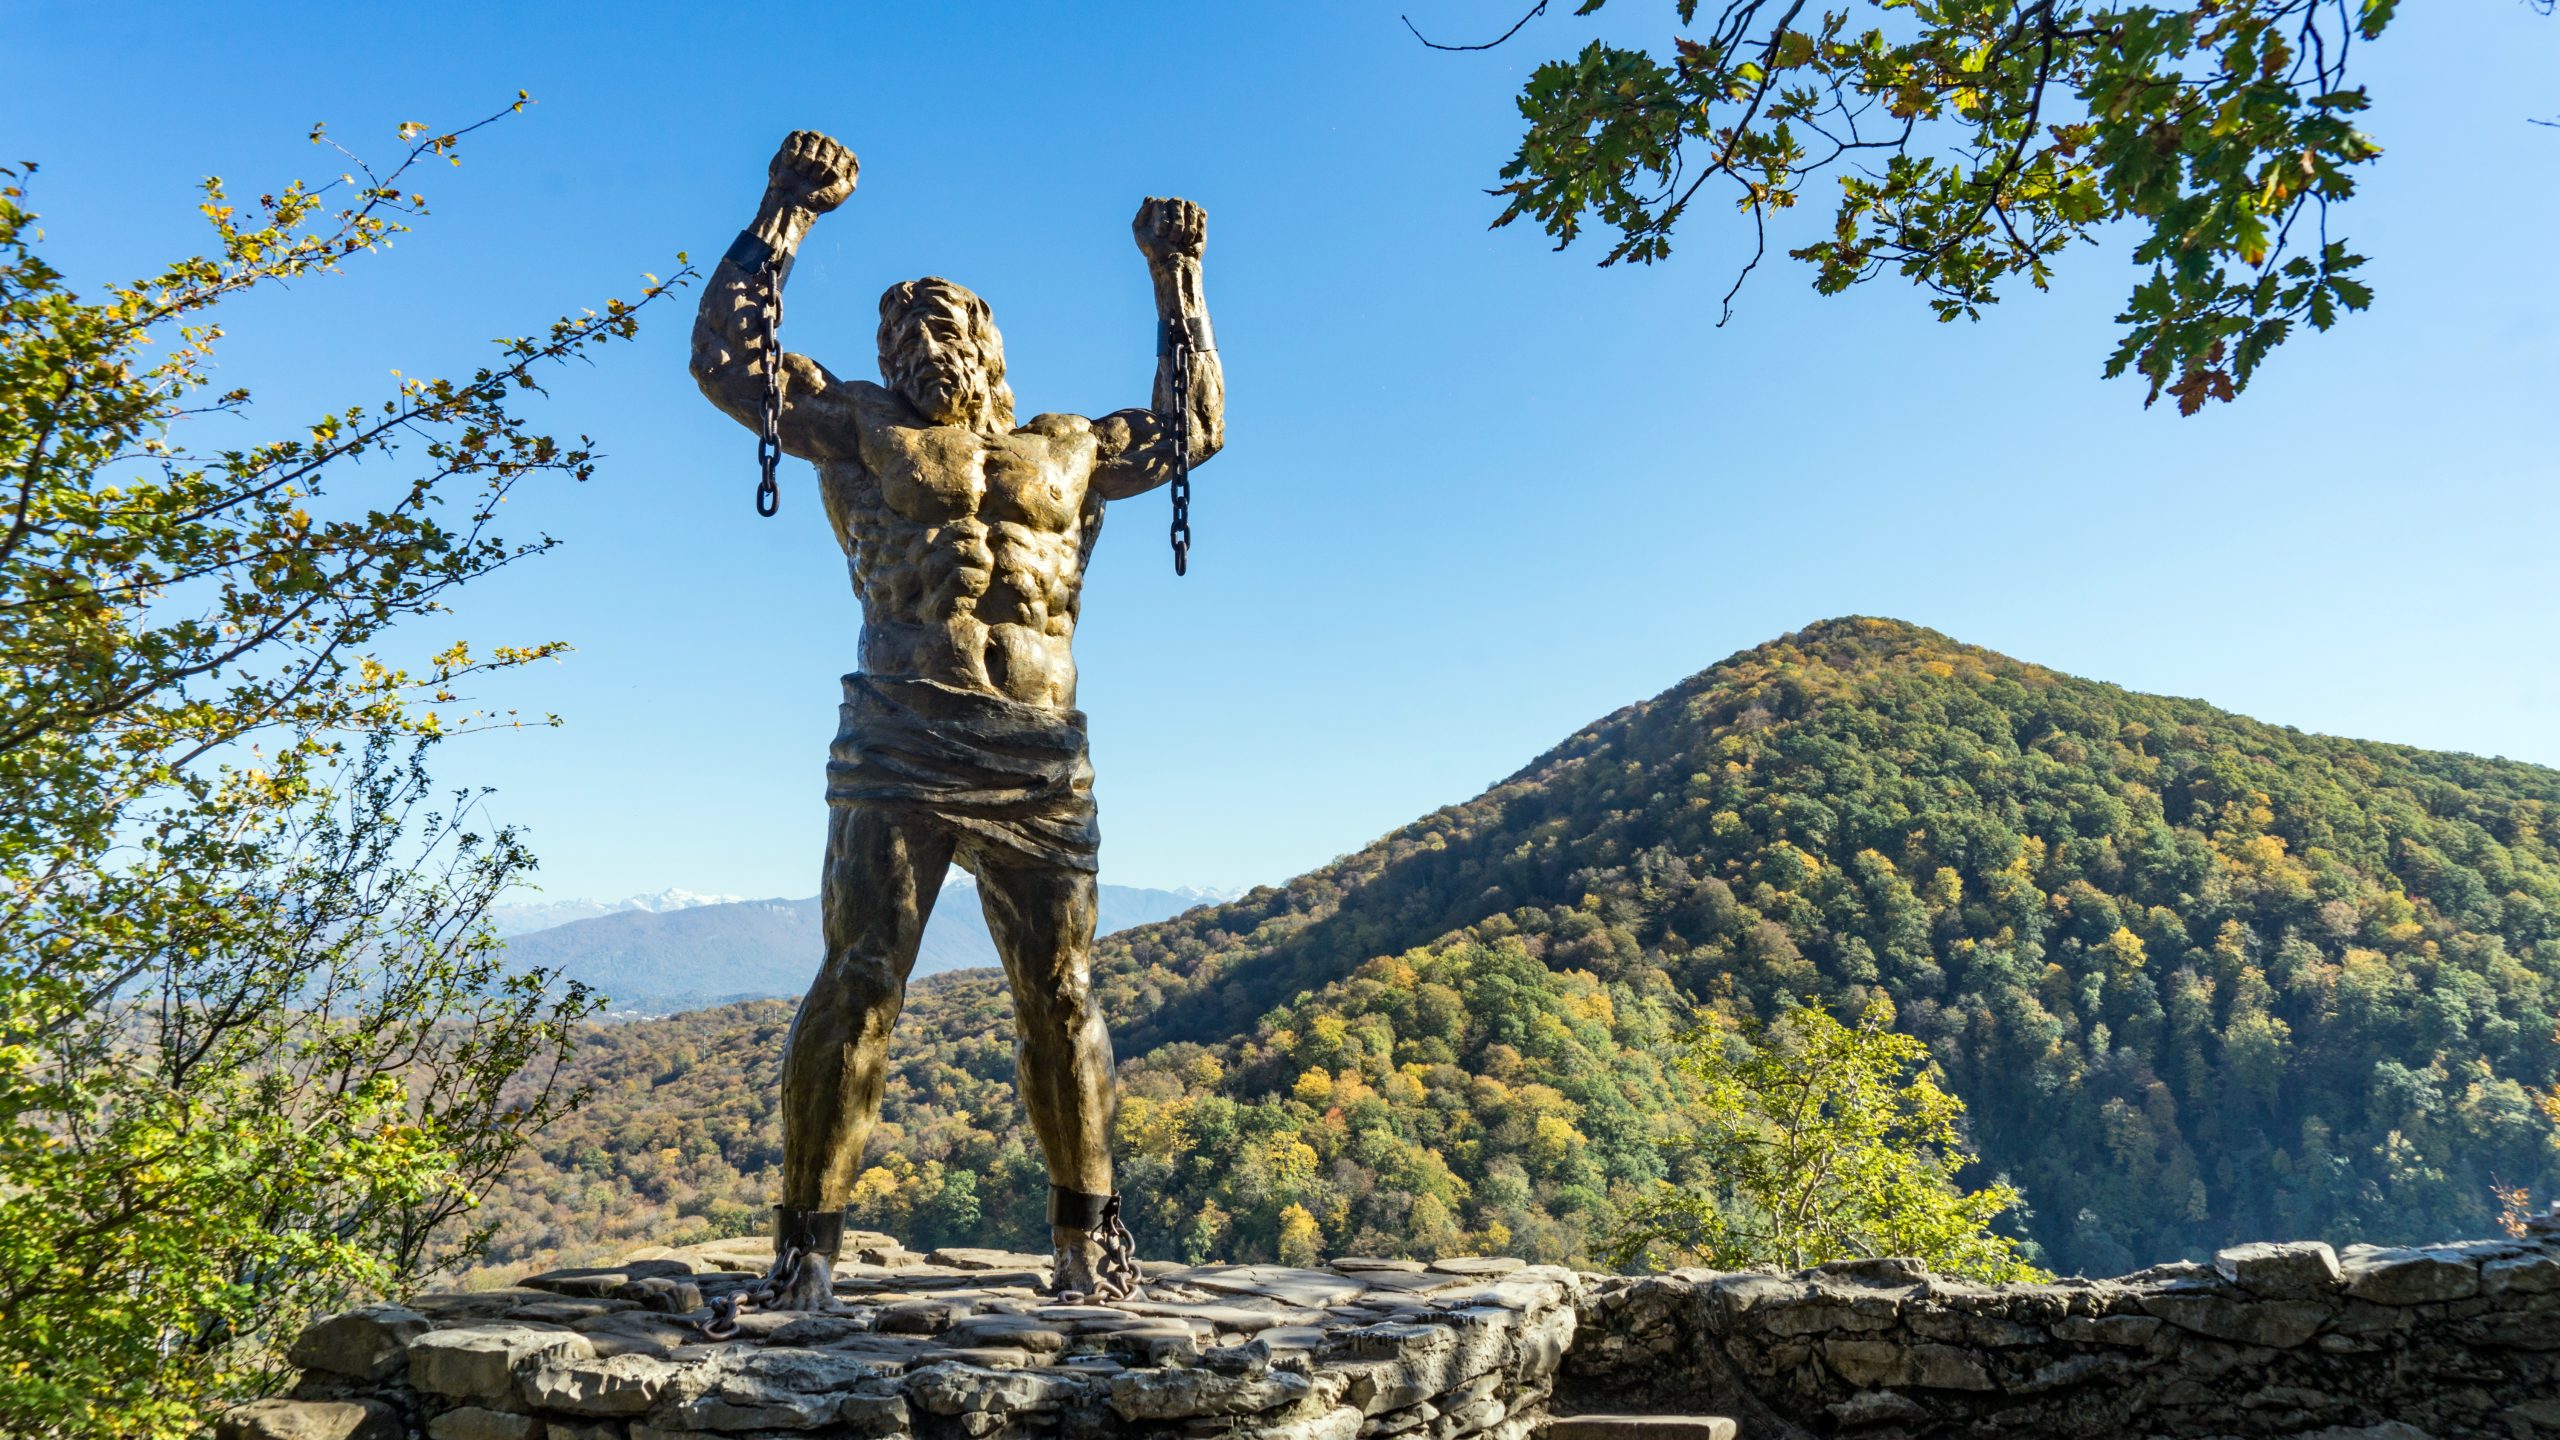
{"points": [[2269, 1340]]}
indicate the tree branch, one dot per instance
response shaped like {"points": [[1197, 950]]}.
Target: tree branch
{"points": [[1534, 12]]}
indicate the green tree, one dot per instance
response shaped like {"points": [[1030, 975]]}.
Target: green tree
{"points": [[257, 1050], [1824, 1142], [1301, 1240], [1972, 141]]}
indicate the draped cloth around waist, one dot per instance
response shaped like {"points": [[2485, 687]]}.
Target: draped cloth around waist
{"points": [[1013, 778]]}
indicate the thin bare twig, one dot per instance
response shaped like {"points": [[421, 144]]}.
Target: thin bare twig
{"points": [[1534, 12]]}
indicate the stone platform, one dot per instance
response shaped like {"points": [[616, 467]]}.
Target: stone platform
{"points": [[954, 1343]]}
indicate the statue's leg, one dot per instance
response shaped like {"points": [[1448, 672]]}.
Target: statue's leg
{"points": [[883, 871], [1042, 920]]}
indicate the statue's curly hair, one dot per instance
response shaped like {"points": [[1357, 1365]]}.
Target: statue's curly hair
{"points": [[901, 360]]}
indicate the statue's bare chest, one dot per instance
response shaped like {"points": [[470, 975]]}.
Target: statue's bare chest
{"points": [[938, 475]]}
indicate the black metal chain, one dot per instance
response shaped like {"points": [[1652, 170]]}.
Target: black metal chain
{"points": [[769, 437], [1179, 351], [759, 1293], [1119, 1272], [798, 1266]]}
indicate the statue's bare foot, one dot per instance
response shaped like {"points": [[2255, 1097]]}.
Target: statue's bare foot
{"points": [[1071, 1268]]}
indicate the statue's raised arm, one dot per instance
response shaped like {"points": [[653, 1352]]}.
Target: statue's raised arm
{"points": [[810, 175], [1137, 449]]}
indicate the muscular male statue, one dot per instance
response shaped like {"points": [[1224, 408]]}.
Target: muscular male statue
{"points": [[959, 738]]}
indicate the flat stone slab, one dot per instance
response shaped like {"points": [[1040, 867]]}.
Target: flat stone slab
{"points": [[1638, 1427], [309, 1420], [480, 1362], [2291, 1270], [1416, 1281], [1313, 1288], [964, 1258], [1224, 1317], [597, 1283], [1484, 1265], [2395, 1276], [367, 1344]]}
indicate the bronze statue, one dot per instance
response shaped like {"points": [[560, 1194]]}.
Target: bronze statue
{"points": [[959, 738]]}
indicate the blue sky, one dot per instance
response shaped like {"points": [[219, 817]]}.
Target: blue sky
{"points": [[1476, 493]]}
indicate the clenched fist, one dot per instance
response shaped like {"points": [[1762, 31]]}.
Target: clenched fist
{"points": [[1170, 230], [811, 172]]}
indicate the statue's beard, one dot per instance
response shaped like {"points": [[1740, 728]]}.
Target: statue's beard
{"points": [[947, 393]]}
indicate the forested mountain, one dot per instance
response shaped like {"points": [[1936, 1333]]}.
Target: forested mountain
{"points": [[2199, 979], [679, 957]]}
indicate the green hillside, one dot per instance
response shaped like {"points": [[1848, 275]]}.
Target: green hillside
{"points": [[2199, 979]]}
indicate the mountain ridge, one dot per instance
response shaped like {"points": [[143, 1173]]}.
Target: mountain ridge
{"points": [[2199, 977], [1859, 633]]}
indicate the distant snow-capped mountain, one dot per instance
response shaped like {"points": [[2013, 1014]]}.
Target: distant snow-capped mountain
{"points": [[544, 914]]}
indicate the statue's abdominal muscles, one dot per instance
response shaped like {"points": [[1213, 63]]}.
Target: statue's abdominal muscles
{"points": [[967, 554]]}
